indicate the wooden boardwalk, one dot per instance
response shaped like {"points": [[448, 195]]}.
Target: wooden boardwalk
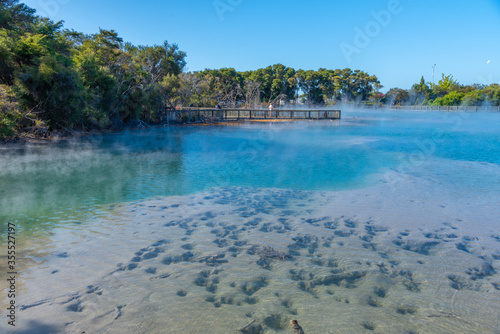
{"points": [[192, 114]]}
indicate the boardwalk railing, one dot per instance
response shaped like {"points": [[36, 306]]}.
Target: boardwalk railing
{"points": [[192, 114], [448, 108]]}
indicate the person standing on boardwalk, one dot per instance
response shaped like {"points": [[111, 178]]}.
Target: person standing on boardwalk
{"points": [[271, 110], [296, 327]]}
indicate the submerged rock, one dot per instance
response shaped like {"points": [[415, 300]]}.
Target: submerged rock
{"points": [[297, 329]]}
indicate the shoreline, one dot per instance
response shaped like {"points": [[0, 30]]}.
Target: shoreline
{"points": [[31, 139], [25, 139]]}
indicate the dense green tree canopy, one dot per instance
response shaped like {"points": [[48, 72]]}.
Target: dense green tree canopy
{"points": [[448, 92], [62, 79]]}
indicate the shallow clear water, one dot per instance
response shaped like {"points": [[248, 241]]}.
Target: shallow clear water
{"points": [[350, 226], [184, 160]]}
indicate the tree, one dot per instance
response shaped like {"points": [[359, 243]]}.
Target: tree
{"points": [[10, 116], [309, 83], [46, 81], [473, 98], [492, 94], [451, 99], [53, 91], [16, 17], [396, 96], [7, 58], [447, 83], [221, 86], [252, 93], [63, 79], [420, 92]]}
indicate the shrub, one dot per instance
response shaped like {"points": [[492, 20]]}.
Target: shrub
{"points": [[10, 117]]}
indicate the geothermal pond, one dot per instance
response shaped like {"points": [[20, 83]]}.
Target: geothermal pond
{"points": [[378, 223]]}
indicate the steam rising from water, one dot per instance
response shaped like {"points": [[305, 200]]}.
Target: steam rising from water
{"points": [[40, 178]]}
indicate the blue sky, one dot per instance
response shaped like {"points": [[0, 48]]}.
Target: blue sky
{"points": [[397, 40]]}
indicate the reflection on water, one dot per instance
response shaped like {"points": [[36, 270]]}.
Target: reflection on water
{"points": [[374, 223]]}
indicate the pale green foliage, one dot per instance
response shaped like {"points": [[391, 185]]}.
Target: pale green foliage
{"points": [[447, 83], [447, 93], [473, 98], [492, 94], [451, 99], [10, 116]]}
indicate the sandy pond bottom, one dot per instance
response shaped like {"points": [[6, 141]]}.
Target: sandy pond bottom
{"points": [[239, 260]]}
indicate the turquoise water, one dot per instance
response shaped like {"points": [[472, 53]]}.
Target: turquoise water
{"points": [[177, 161], [383, 221], [126, 166]]}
